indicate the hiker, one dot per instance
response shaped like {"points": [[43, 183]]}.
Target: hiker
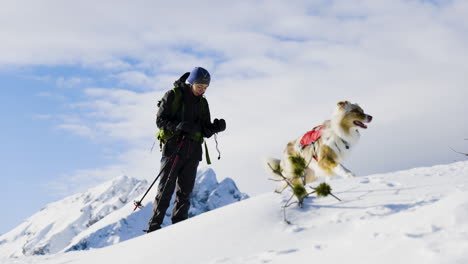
{"points": [[184, 118]]}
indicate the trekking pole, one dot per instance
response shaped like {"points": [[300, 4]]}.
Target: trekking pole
{"points": [[138, 203], [154, 142]]}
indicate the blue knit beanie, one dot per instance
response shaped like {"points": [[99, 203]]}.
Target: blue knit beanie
{"points": [[199, 75]]}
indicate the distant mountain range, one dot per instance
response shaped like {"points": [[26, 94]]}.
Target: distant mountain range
{"points": [[104, 216]]}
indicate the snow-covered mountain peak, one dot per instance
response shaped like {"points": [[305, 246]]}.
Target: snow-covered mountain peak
{"points": [[103, 215], [209, 194], [51, 229], [125, 224], [206, 181]]}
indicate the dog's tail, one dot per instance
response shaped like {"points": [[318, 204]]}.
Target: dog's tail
{"points": [[271, 165]]}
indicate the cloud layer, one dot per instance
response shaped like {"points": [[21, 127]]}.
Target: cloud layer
{"points": [[277, 70]]}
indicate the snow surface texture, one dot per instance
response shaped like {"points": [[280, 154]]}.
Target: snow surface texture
{"points": [[104, 216], [414, 216]]}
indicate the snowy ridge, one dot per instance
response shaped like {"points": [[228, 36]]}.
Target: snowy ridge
{"points": [[208, 194], [414, 216], [104, 216]]}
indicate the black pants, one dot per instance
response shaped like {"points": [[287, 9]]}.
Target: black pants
{"points": [[182, 178]]}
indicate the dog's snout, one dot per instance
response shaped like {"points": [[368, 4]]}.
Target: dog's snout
{"points": [[369, 118]]}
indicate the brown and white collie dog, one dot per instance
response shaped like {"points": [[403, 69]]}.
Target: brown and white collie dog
{"points": [[337, 138]]}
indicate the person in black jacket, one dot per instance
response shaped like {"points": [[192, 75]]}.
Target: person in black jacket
{"points": [[182, 152]]}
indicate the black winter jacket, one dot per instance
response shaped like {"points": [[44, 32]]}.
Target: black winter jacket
{"points": [[190, 112]]}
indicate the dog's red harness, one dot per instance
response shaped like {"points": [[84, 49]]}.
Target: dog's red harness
{"points": [[311, 136]]}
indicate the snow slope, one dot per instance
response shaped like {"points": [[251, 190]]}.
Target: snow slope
{"points": [[414, 216], [104, 216]]}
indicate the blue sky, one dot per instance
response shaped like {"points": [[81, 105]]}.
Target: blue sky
{"points": [[80, 82], [34, 151]]}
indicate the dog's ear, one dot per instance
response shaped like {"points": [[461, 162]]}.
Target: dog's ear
{"points": [[342, 103]]}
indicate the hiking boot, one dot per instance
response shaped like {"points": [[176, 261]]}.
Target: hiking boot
{"points": [[152, 228]]}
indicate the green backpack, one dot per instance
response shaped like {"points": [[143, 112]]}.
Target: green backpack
{"points": [[164, 135]]}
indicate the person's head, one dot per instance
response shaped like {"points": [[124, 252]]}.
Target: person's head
{"points": [[199, 79]]}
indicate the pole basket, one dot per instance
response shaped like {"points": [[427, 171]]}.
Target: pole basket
{"points": [[137, 205]]}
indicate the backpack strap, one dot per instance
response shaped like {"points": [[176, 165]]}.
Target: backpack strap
{"points": [[176, 102], [164, 135], [207, 155]]}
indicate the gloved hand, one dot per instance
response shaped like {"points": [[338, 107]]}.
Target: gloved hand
{"points": [[187, 127], [219, 125]]}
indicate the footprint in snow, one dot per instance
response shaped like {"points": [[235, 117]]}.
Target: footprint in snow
{"points": [[365, 181], [268, 256], [289, 251], [433, 229]]}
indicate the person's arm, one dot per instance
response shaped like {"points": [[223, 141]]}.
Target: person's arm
{"points": [[208, 128]]}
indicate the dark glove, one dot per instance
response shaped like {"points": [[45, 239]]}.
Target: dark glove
{"points": [[187, 127], [219, 125]]}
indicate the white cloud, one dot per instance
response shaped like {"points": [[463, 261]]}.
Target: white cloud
{"points": [[139, 163], [70, 82], [51, 95], [81, 180], [113, 115], [276, 72], [135, 78], [42, 117], [77, 129]]}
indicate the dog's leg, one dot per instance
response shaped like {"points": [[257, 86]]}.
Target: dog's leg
{"points": [[327, 160], [310, 175], [344, 172]]}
